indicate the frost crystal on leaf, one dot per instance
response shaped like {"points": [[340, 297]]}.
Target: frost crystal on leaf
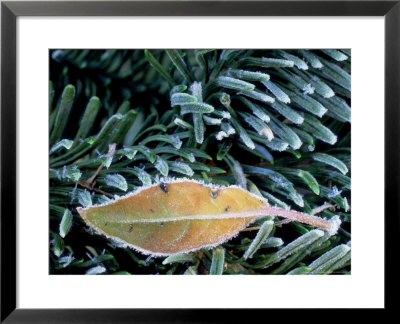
{"points": [[66, 260], [129, 152], [182, 168], [116, 181], [176, 141], [228, 129], [84, 198], [220, 135], [162, 166], [308, 89], [334, 192], [226, 115], [67, 144], [96, 270]]}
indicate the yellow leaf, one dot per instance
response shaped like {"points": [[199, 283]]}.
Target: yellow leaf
{"points": [[178, 216]]}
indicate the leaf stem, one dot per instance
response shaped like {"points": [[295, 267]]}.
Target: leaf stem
{"points": [[331, 226]]}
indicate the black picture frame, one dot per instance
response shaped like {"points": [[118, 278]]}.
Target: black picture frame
{"points": [[10, 10]]}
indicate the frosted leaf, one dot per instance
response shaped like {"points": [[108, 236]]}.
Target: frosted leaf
{"points": [[226, 115], [327, 137], [217, 262], [239, 175], [191, 157], [312, 59], [298, 62], [129, 152], [321, 87], [181, 167], [197, 108], [299, 243], [277, 92], [308, 89], [225, 99], [248, 75], [178, 88], [72, 173], [334, 192], [279, 180], [84, 198], [268, 62], [148, 259], [276, 62], [296, 80], [96, 270], [339, 263], [162, 166], [181, 123], [228, 129], [73, 192], [286, 133], [338, 107], [262, 234], [335, 54], [66, 260], [335, 224], [336, 74], [256, 109], [66, 143], [90, 140], [197, 91], [287, 112], [260, 114], [257, 96], [346, 204], [321, 132], [277, 144], [302, 270], [297, 198], [256, 123], [328, 258], [275, 201], [199, 128], [212, 121], [177, 143], [180, 258], [66, 223], [220, 135], [165, 208], [309, 104], [190, 271], [116, 181], [57, 55], [246, 139], [59, 246], [178, 99], [234, 84], [106, 160], [271, 242], [143, 176], [259, 126], [332, 161], [103, 200]]}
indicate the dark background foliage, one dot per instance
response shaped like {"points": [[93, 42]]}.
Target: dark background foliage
{"points": [[138, 100]]}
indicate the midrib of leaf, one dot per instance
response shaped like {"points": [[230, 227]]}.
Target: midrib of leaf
{"points": [[329, 225]]}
